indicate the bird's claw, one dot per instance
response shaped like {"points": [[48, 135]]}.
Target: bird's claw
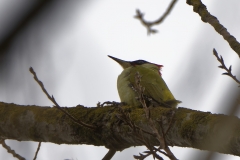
{"points": [[112, 103]]}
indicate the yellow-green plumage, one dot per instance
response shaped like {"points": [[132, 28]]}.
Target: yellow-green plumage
{"points": [[151, 80]]}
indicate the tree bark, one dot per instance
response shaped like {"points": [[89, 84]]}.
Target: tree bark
{"points": [[186, 128]]}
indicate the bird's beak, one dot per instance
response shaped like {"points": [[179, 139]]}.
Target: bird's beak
{"points": [[124, 64]]}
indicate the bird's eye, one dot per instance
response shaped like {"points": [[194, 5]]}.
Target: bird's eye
{"points": [[141, 62], [138, 62]]}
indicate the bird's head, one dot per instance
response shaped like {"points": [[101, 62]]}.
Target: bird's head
{"points": [[126, 64]]}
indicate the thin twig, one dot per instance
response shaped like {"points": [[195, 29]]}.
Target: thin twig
{"points": [[56, 104], [223, 66], [160, 138], [36, 153], [9, 150], [147, 24], [158, 149], [150, 148], [140, 90], [201, 9]]}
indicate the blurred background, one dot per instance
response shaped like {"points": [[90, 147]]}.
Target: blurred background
{"points": [[67, 43]]}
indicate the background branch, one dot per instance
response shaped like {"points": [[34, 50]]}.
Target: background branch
{"points": [[36, 153], [9, 150], [223, 66], [148, 24], [56, 104], [201, 9]]}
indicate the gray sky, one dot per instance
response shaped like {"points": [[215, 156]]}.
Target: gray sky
{"points": [[68, 42]]}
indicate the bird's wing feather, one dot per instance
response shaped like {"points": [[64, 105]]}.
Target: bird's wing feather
{"points": [[154, 85]]}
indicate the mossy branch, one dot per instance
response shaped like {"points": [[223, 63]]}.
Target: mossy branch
{"points": [[189, 128]]}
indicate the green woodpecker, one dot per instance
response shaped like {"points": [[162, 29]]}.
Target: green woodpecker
{"points": [[155, 88]]}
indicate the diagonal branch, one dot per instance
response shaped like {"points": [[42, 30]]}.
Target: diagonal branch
{"points": [[201, 9], [56, 104], [36, 153], [109, 154], [147, 24]]}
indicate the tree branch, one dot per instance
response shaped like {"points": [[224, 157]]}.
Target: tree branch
{"points": [[149, 25], [189, 128], [36, 153], [109, 154], [206, 17], [56, 104], [223, 66], [9, 150]]}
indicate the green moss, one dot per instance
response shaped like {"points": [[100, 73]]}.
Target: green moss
{"points": [[189, 121]]}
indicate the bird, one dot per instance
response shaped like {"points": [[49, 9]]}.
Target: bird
{"points": [[156, 91]]}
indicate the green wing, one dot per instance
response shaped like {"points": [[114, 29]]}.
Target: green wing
{"points": [[154, 85]]}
